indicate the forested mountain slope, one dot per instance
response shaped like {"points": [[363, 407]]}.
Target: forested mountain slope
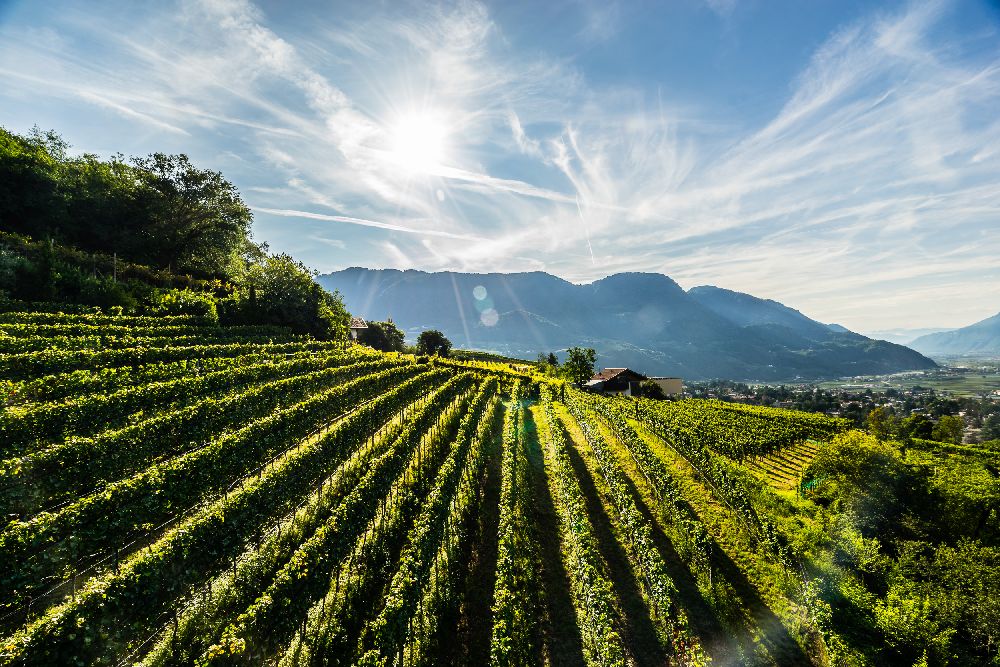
{"points": [[641, 320], [981, 338]]}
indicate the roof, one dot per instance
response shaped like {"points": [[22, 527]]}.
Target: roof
{"points": [[358, 323], [609, 373]]}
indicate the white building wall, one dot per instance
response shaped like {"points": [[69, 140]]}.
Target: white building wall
{"points": [[670, 386]]}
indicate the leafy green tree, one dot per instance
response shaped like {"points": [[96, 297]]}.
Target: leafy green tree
{"points": [[160, 210], [29, 182], [866, 477], [433, 341], [548, 363], [991, 427], [949, 429], [197, 219], [882, 423], [651, 389], [916, 426], [385, 336], [280, 290], [579, 364]]}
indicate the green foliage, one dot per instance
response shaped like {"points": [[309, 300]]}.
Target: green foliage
{"points": [[251, 496], [186, 302], [948, 429], [882, 423], [516, 600], [384, 336], [658, 586], [991, 427], [280, 290], [651, 389], [916, 426], [195, 218], [433, 342], [160, 211], [592, 591], [579, 364]]}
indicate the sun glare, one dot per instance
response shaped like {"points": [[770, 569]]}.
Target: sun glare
{"points": [[418, 140]]}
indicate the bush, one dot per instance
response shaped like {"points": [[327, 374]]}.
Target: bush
{"points": [[186, 302]]}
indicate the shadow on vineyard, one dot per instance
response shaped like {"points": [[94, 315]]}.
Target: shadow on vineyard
{"points": [[634, 617], [562, 642]]}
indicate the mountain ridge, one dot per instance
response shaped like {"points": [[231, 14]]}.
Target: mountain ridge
{"points": [[979, 338], [642, 320]]}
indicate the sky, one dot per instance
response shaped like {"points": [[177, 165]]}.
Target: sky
{"points": [[841, 157]]}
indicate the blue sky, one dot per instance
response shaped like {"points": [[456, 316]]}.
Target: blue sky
{"points": [[841, 157]]}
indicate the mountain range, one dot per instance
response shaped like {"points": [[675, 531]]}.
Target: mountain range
{"points": [[979, 339], [645, 321], [902, 335]]}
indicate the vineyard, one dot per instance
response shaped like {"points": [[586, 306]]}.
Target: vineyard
{"points": [[180, 493]]}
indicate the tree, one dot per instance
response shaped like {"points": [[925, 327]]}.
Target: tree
{"points": [[160, 210], [385, 336], [579, 364], [991, 427], [916, 426], [280, 290], [651, 389], [882, 423], [949, 429], [197, 219], [553, 360], [433, 341]]}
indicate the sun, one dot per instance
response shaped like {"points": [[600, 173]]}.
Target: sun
{"points": [[418, 141]]}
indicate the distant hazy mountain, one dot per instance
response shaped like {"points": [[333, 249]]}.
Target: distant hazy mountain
{"points": [[746, 310], [903, 336], [981, 338], [642, 320]]}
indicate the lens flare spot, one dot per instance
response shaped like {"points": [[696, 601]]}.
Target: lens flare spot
{"points": [[483, 305], [489, 317], [479, 292]]}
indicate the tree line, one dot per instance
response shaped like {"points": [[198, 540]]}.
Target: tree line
{"points": [[69, 222]]}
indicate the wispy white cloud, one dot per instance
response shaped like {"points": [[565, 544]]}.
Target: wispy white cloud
{"points": [[286, 213], [869, 189]]}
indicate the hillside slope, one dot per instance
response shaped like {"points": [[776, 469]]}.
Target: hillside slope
{"points": [[981, 338], [642, 320]]}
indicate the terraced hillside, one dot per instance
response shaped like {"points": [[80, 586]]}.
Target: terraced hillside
{"points": [[182, 494]]}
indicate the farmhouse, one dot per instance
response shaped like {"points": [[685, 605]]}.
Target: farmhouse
{"points": [[622, 381], [625, 382], [357, 326]]}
